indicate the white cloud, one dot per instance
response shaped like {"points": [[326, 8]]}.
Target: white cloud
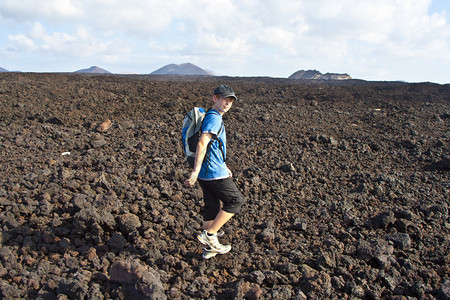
{"points": [[81, 43], [170, 47], [215, 45], [279, 38], [373, 37], [284, 34], [21, 42], [32, 10], [38, 31]]}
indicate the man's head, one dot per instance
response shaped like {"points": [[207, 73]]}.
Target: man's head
{"points": [[223, 98], [225, 91]]}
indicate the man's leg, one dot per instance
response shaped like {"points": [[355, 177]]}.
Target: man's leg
{"points": [[232, 199], [213, 216], [211, 206], [215, 225], [207, 224]]}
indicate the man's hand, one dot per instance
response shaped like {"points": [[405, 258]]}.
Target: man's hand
{"points": [[199, 156], [192, 179], [230, 173]]}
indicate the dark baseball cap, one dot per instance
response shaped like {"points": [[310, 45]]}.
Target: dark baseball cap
{"points": [[225, 91]]}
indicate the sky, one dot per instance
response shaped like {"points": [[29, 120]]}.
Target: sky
{"points": [[386, 40]]}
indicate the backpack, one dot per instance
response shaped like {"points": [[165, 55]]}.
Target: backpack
{"points": [[192, 124]]}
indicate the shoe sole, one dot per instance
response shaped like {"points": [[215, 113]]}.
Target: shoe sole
{"points": [[204, 242], [210, 253]]}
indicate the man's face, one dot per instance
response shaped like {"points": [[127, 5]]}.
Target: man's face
{"points": [[221, 104]]}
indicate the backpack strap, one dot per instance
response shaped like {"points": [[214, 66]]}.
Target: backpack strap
{"points": [[222, 127], [215, 138]]}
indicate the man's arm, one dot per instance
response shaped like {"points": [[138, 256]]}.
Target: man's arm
{"points": [[199, 156]]}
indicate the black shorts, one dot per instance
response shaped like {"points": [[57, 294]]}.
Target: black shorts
{"points": [[224, 190]]}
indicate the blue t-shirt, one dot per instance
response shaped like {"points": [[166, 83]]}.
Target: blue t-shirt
{"points": [[213, 166]]}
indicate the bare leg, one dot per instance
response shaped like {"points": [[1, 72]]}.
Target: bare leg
{"points": [[206, 224], [221, 218]]}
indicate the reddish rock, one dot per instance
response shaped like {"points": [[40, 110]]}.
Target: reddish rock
{"points": [[105, 126]]}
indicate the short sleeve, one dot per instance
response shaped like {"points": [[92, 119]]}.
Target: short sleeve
{"points": [[212, 123]]}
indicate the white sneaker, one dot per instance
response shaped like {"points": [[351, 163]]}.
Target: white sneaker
{"points": [[213, 242], [209, 253]]}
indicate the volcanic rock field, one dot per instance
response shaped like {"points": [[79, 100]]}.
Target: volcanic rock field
{"points": [[346, 189]]}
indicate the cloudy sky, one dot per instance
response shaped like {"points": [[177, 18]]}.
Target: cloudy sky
{"points": [[372, 39]]}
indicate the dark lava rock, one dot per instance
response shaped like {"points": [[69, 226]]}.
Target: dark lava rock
{"points": [[444, 291], [144, 282], [346, 189], [117, 241], [401, 240], [128, 222]]}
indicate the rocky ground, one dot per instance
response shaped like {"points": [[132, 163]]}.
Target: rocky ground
{"points": [[346, 187]]}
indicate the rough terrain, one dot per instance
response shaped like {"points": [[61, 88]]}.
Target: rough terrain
{"points": [[346, 187]]}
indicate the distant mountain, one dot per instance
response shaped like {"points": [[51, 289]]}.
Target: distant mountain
{"points": [[182, 69], [93, 70], [3, 70], [314, 74]]}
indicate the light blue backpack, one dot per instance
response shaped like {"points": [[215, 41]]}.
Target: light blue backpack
{"points": [[192, 125]]}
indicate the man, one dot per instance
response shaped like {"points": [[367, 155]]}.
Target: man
{"points": [[213, 174]]}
